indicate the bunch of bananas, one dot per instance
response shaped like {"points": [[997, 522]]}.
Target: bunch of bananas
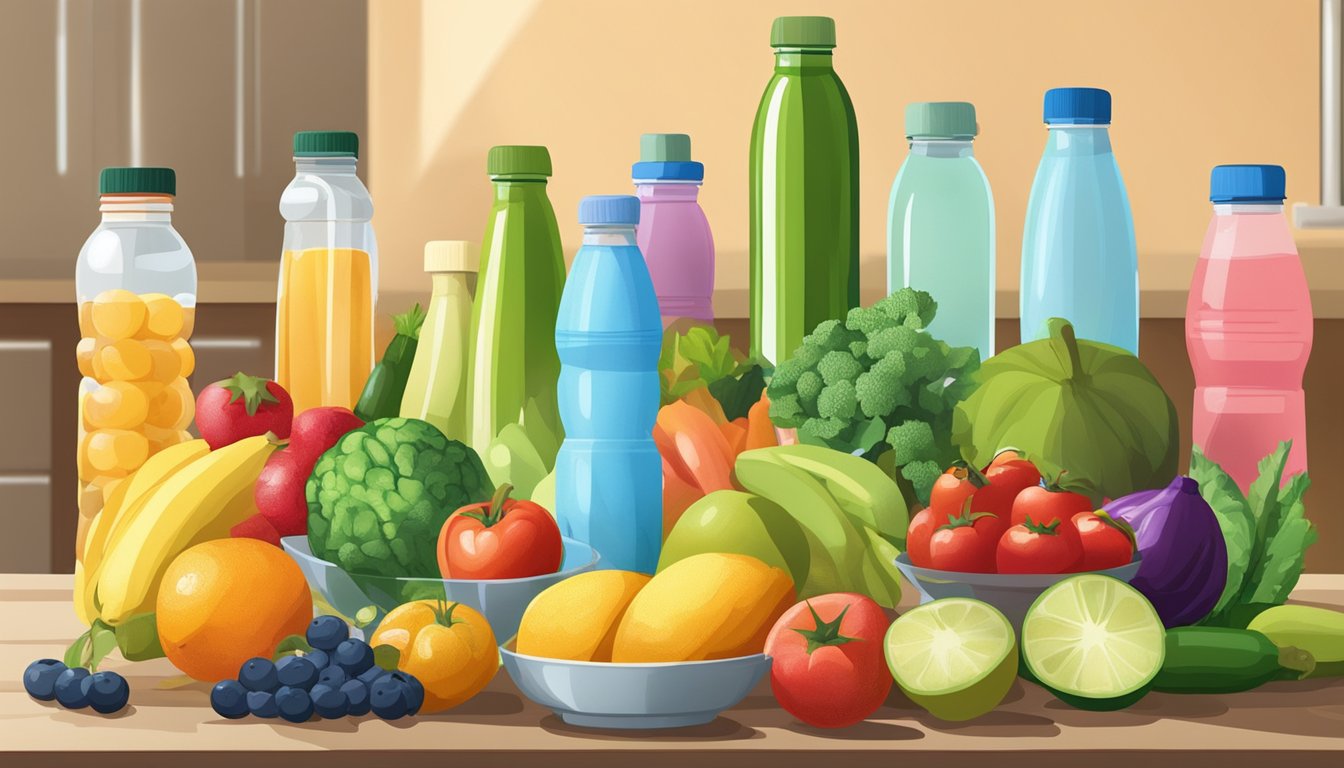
{"points": [[179, 497]]}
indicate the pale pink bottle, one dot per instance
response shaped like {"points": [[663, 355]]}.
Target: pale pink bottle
{"points": [[1248, 326], [673, 233]]}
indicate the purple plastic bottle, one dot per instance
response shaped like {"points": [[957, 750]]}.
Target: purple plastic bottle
{"points": [[673, 233]]}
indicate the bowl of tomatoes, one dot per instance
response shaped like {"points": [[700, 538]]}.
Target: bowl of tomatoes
{"points": [[1005, 534]]}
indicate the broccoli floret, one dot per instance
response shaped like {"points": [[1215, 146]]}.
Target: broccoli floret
{"points": [[838, 400], [809, 389], [908, 307], [894, 339], [786, 411], [839, 366], [867, 320], [922, 475], [787, 373], [859, 349], [824, 428], [880, 389], [828, 335], [912, 441]]}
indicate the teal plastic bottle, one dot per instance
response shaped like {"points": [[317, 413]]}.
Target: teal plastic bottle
{"points": [[514, 366], [804, 192], [940, 224], [609, 476]]}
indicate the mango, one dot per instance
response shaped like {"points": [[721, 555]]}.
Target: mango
{"points": [[577, 619], [707, 606], [741, 523]]}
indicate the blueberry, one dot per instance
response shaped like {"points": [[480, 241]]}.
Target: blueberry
{"points": [[229, 699], [108, 692], [294, 703], [327, 632], [332, 677], [415, 692], [372, 675], [296, 672], [71, 690], [258, 674], [39, 679], [357, 695], [387, 698], [321, 659], [353, 656], [262, 704], [329, 702]]}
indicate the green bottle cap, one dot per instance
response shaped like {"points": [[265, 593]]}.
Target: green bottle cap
{"points": [[326, 144], [940, 120], [664, 148], [803, 32], [512, 160], [137, 181]]}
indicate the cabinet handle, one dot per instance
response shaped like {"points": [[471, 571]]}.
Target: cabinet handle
{"points": [[25, 345], [24, 480], [226, 343]]}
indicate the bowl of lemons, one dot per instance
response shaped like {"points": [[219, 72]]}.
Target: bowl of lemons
{"points": [[622, 650]]}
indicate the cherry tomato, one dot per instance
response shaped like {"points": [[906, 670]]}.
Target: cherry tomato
{"points": [[1011, 470], [965, 543], [917, 536], [952, 488], [829, 666], [1045, 505], [500, 539], [1107, 542], [1031, 547]]}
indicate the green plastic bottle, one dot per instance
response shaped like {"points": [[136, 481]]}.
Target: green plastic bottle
{"points": [[514, 366], [804, 192]]}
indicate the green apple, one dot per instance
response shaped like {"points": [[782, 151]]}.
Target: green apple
{"points": [[740, 523]]}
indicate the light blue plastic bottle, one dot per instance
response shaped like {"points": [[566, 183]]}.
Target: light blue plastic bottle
{"points": [[940, 224], [1079, 260], [608, 475]]}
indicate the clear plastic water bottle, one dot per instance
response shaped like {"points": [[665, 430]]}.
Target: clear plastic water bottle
{"points": [[608, 474], [1079, 259], [1248, 326], [940, 224]]}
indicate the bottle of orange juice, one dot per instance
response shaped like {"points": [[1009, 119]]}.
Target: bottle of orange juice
{"points": [[328, 275], [136, 286]]}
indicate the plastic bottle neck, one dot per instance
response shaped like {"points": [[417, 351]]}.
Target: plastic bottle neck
{"points": [[941, 147], [668, 190], [1079, 139], [518, 187], [803, 59], [144, 208], [326, 166], [1247, 208], [441, 283], [609, 234]]}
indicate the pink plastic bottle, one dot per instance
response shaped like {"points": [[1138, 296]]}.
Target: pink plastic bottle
{"points": [[1248, 326], [673, 233]]}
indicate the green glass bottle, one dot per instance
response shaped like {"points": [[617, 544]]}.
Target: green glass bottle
{"points": [[804, 192], [514, 366]]}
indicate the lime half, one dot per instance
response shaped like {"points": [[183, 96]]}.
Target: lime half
{"points": [[955, 657], [1094, 641]]}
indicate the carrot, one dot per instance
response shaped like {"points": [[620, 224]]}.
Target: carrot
{"points": [[689, 439], [760, 430], [704, 401], [678, 496], [735, 432]]}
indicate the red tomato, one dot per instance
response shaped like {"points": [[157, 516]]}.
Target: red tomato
{"points": [[1010, 470], [952, 488], [917, 536], [1045, 505], [829, 667], [242, 406], [1107, 542], [1031, 547], [965, 543], [500, 539]]}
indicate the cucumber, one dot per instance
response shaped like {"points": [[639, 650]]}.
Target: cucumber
{"points": [[1224, 660], [1318, 631]]}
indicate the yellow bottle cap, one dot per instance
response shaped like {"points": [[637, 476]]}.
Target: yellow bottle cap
{"points": [[451, 256]]}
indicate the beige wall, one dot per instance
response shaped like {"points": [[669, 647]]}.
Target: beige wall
{"points": [[1195, 83]]}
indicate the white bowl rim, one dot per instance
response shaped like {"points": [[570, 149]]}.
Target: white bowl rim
{"points": [[506, 650], [288, 544], [991, 579]]}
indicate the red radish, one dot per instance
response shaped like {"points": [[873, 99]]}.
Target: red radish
{"points": [[242, 406], [316, 430], [256, 527], [280, 493]]}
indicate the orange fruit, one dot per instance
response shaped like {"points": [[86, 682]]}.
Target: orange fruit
{"points": [[222, 602]]}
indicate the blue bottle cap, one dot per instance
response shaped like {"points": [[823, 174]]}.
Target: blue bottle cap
{"points": [[1247, 184], [1077, 106], [666, 157], [609, 209]]}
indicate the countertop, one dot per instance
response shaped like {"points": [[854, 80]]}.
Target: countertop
{"points": [[169, 722]]}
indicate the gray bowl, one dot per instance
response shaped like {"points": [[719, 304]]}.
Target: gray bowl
{"points": [[501, 601], [1011, 593], [592, 694]]}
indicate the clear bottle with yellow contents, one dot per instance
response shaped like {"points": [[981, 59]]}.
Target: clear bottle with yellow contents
{"points": [[136, 286], [328, 275]]}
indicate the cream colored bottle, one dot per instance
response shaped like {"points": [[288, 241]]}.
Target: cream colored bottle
{"points": [[437, 388]]}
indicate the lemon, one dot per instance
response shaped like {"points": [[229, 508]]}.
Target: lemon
{"points": [[1094, 641], [577, 618], [955, 657]]}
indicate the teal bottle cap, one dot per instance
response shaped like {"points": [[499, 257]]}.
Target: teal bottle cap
{"points": [[326, 144], [513, 160], [137, 181], [664, 148], [803, 32], [940, 120]]}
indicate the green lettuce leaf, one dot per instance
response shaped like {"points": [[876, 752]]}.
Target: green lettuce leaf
{"points": [[1234, 517], [1280, 565]]}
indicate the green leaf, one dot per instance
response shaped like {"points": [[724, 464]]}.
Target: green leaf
{"points": [[138, 638], [294, 645], [366, 616], [78, 650], [870, 434], [386, 657], [102, 641], [1264, 503], [1234, 518], [738, 395], [409, 322], [1281, 564]]}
